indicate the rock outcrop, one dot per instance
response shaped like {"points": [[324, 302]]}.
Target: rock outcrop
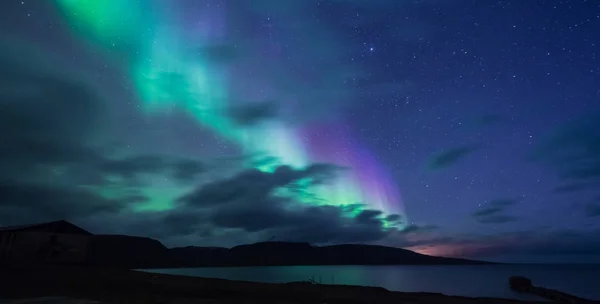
{"points": [[520, 284], [524, 285]]}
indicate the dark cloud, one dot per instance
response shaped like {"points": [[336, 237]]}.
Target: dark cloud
{"points": [[328, 224], [249, 203], [449, 157], [50, 124], [252, 113], [53, 160], [574, 150], [188, 170], [572, 187], [52, 203], [394, 218], [46, 117], [254, 185], [493, 213], [417, 228], [131, 167], [369, 217], [53, 126], [593, 209], [488, 211]]}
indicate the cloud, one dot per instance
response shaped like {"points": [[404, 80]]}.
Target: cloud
{"points": [[418, 228], [56, 161], [494, 212], [57, 126], [572, 187], [450, 157], [43, 202], [54, 154], [131, 167], [592, 209], [574, 150], [53, 126], [251, 203], [46, 117], [250, 114], [187, 170], [254, 185], [394, 218]]}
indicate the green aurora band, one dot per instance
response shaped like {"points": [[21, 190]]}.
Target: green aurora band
{"points": [[168, 75]]}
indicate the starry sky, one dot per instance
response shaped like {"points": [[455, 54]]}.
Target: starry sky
{"points": [[456, 128]]}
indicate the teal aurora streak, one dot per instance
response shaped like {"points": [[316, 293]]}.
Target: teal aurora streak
{"points": [[167, 74]]}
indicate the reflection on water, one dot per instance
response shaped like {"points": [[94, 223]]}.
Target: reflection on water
{"points": [[474, 281]]}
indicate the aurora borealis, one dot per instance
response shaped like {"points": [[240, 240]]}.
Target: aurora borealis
{"points": [[221, 122], [170, 70]]}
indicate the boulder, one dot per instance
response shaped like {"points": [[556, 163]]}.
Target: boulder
{"points": [[520, 284]]}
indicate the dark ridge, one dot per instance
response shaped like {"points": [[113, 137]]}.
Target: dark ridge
{"points": [[63, 242], [288, 254]]}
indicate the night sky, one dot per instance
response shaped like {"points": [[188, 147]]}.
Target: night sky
{"points": [[456, 128]]}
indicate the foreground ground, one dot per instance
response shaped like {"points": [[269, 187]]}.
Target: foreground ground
{"points": [[123, 286]]}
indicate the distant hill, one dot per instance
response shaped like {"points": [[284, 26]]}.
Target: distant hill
{"points": [[123, 251], [199, 256], [285, 253], [139, 252]]}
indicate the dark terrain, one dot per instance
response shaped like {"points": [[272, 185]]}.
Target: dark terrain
{"points": [[126, 286], [138, 252]]}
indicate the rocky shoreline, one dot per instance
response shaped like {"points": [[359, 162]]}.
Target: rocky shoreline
{"points": [[524, 285], [127, 286]]}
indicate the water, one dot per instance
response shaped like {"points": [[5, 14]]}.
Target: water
{"points": [[471, 281]]}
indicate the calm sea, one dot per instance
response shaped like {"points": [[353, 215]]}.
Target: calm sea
{"points": [[472, 281]]}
